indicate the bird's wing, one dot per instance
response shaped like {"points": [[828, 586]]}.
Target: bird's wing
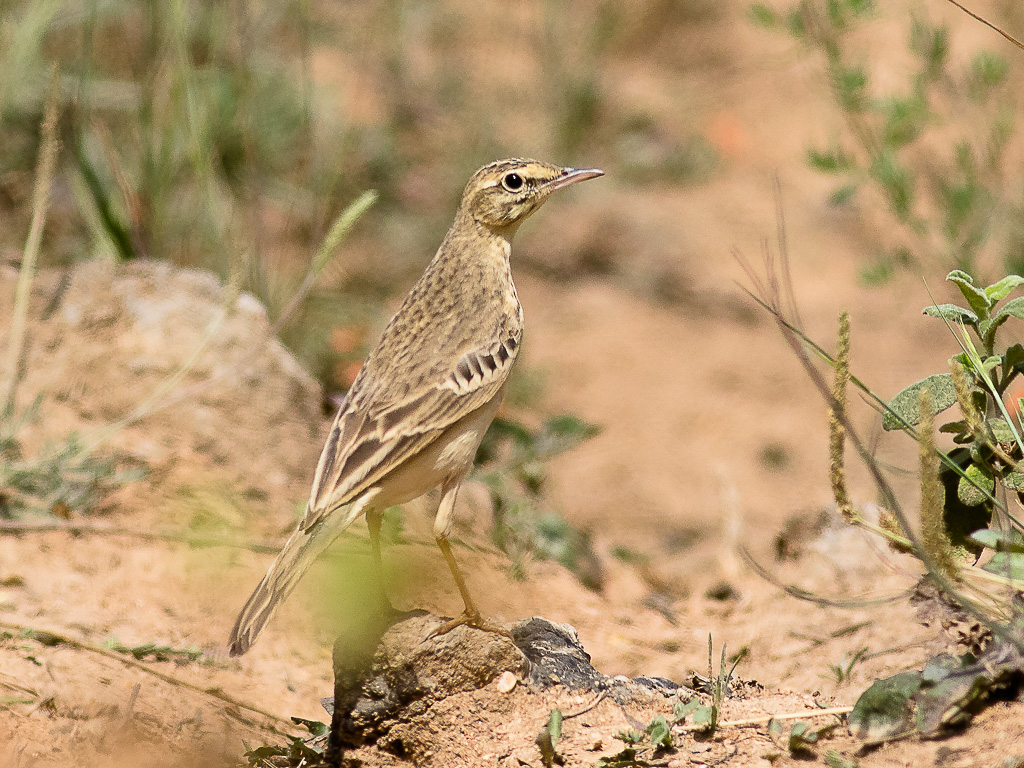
{"points": [[373, 434]]}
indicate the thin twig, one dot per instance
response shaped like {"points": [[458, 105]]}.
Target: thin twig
{"points": [[597, 700], [765, 719], [802, 594], [989, 24], [59, 638]]}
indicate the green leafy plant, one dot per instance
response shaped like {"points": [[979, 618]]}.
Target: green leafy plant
{"points": [[841, 672], [642, 747], [803, 738], [156, 652], [300, 751], [987, 436], [951, 531], [512, 461], [955, 201], [706, 716], [548, 738], [942, 696]]}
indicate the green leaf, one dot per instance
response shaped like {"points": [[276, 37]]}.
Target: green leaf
{"points": [[1014, 481], [548, 738], [903, 120], [1013, 358], [976, 297], [560, 433], [954, 313], [660, 733], [627, 758], [1012, 308], [1008, 564], [898, 183], [555, 724], [801, 739], [796, 24], [972, 486], [952, 689], [703, 716], [999, 291], [835, 760], [999, 541], [630, 736], [851, 84], [954, 427], [842, 195], [988, 70], [1001, 431], [907, 404], [680, 710], [763, 16], [830, 160], [861, 8], [885, 710], [315, 727]]}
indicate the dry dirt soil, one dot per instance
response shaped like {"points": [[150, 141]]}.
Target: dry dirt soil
{"points": [[711, 438]]}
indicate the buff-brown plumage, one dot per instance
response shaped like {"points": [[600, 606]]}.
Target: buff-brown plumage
{"points": [[419, 407]]}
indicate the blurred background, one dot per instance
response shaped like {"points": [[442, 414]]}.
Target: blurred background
{"points": [[877, 144]]}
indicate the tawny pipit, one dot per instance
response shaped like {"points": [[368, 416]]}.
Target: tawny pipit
{"points": [[416, 413]]}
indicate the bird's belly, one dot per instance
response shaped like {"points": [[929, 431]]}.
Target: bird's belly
{"points": [[451, 455]]}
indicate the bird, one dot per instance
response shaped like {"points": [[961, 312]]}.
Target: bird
{"points": [[415, 414]]}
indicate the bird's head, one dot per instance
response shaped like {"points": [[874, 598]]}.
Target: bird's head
{"points": [[502, 194]]}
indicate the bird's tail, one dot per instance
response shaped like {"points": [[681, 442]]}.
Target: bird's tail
{"points": [[301, 550]]}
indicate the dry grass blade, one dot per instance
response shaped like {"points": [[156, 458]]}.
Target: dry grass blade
{"points": [[765, 719], [49, 148], [989, 24], [59, 638], [341, 227]]}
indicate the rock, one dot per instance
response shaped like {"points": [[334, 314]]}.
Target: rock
{"points": [[105, 338], [388, 678]]}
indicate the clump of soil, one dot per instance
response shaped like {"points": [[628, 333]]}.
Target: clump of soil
{"points": [[195, 368]]}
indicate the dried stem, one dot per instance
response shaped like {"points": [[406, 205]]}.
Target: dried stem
{"points": [[59, 638], [49, 149]]}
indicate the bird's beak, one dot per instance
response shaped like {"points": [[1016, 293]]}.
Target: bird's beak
{"points": [[571, 176]]}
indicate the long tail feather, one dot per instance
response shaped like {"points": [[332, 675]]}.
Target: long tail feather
{"points": [[298, 554]]}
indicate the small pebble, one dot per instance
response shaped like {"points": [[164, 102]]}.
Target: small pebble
{"points": [[506, 682]]}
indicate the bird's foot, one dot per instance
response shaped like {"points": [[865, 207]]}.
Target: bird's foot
{"points": [[471, 619]]}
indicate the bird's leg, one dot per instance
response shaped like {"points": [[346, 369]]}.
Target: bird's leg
{"points": [[442, 526], [374, 518]]}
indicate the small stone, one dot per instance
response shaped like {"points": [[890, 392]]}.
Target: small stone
{"points": [[506, 682]]}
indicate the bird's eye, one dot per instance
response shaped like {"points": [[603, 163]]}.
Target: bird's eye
{"points": [[513, 182]]}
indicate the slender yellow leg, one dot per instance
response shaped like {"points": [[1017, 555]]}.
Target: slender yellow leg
{"points": [[373, 523], [471, 612], [442, 524]]}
